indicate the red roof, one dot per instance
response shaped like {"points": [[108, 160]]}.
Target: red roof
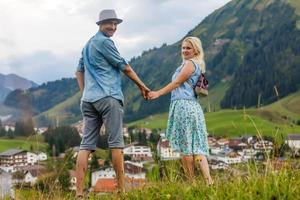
{"points": [[110, 184], [105, 185]]}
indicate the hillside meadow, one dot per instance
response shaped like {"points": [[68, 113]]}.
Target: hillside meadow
{"points": [[22, 143], [281, 117], [250, 181]]}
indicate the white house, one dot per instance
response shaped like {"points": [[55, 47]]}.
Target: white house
{"points": [[32, 172], [33, 158], [216, 149], [164, 150], [11, 159], [72, 180], [30, 177], [41, 156], [109, 173], [215, 165], [227, 156], [138, 152], [263, 145], [293, 141]]}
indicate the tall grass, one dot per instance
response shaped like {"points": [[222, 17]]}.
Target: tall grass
{"points": [[249, 181]]}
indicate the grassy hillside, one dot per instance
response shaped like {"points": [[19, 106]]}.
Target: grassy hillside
{"points": [[21, 143], [242, 182], [276, 118], [65, 112]]}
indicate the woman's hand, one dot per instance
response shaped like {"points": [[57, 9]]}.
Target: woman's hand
{"points": [[153, 95]]}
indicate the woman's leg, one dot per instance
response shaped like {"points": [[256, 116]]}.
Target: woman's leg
{"points": [[188, 166], [201, 161]]}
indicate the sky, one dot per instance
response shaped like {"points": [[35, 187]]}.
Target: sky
{"points": [[41, 40]]}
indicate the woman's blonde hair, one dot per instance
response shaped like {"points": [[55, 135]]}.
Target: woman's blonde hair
{"points": [[197, 46]]}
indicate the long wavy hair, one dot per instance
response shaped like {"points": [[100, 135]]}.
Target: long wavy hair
{"points": [[199, 53]]}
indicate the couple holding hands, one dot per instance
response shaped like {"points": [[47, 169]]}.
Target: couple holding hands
{"points": [[99, 79]]}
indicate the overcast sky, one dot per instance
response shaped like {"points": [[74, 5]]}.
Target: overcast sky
{"points": [[41, 40]]}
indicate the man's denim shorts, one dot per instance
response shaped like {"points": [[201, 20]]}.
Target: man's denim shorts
{"points": [[107, 111]]}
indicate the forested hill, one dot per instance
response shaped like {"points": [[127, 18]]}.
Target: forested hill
{"points": [[253, 45], [43, 97]]}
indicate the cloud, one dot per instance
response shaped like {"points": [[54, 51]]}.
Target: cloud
{"points": [[42, 65]]}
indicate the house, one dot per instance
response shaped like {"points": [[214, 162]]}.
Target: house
{"points": [[227, 156], [211, 141], [222, 141], [41, 156], [293, 141], [40, 130], [164, 150], [236, 144], [32, 172], [247, 153], [133, 167], [12, 159], [138, 152], [125, 131], [9, 126], [215, 149], [73, 180], [263, 146], [216, 165], [104, 180], [33, 158]]}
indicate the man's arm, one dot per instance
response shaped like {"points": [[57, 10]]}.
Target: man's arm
{"points": [[80, 80], [134, 77]]}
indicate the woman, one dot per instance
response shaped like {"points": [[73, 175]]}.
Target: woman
{"points": [[186, 129]]}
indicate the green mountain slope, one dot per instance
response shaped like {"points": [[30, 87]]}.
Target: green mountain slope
{"points": [[278, 118], [253, 45], [66, 112]]}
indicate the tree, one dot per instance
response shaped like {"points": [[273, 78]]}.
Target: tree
{"points": [[62, 138], [10, 134], [94, 162]]}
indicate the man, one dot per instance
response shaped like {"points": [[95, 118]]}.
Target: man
{"points": [[99, 78]]}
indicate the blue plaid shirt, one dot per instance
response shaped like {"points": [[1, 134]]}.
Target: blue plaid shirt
{"points": [[102, 66]]}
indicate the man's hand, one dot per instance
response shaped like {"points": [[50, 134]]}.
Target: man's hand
{"points": [[144, 91]]}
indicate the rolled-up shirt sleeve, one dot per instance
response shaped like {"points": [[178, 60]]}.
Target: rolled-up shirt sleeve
{"points": [[110, 52], [80, 67]]}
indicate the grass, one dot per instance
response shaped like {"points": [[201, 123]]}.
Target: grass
{"points": [[249, 181], [22, 143], [276, 118]]}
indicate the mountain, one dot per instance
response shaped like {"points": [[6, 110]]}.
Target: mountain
{"points": [[252, 56], [41, 98], [11, 82], [250, 45]]}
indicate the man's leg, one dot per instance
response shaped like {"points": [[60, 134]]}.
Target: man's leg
{"points": [[92, 124], [118, 164], [113, 121], [188, 166], [81, 167]]}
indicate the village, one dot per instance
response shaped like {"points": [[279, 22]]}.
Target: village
{"points": [[23, 167]]}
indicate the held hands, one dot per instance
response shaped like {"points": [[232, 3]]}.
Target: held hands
{"points": [[148, 94], [144, 91], [153, 95]]}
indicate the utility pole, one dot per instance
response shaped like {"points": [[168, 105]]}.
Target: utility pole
{"points": [[276, 92], [258, 100]]}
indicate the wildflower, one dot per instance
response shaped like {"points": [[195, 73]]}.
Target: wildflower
{"points": [[168, 196]]}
